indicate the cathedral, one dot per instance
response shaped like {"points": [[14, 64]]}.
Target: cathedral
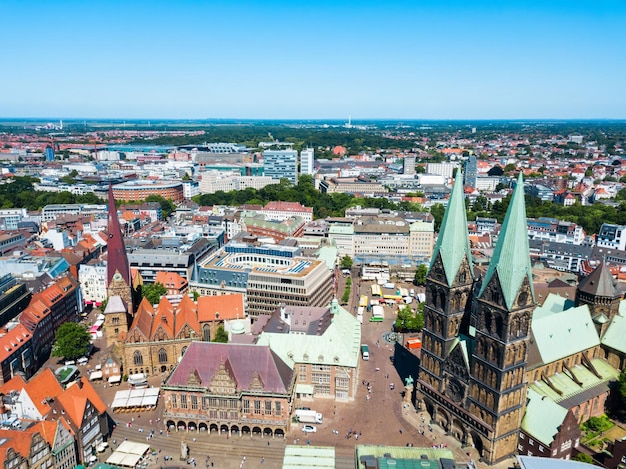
{"points": [[486, 342]]}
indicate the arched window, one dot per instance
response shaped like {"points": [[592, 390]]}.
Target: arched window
{"points": [[206, 333], [162, 356], [182, 352], [137, 358]]}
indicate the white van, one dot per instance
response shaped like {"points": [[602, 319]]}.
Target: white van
{"points": [[82, 360]]}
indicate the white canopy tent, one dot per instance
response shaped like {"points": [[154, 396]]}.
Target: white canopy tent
{"points": [[131, 399], [128, 454]]}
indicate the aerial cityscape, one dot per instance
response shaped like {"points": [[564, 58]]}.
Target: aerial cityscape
{"points": [[343, 234]]}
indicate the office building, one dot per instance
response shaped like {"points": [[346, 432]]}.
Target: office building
{"points": [[279, 164], [471, 171], [307, 159]]}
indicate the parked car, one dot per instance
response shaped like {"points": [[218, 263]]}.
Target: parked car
{"points": [[309, 429]]}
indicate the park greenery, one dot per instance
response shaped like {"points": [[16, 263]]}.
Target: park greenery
{"points": [[346, 292], [71, 341]]}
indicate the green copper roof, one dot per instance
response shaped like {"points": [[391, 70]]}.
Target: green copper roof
{"points": [[560, 334], [511, 258], [614, 335], [453, 240], [543, 418]]}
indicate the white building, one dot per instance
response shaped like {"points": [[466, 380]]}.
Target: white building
{"points": [[58, 238], [612, 236], [190, 189], [279, 211], [10, 217], [92, 280], [307, 158], [442, 169], [213, 181]]}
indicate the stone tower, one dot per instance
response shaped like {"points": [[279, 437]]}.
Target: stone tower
{"points": [[598, 291], [448, 287], [476, 333], [497, 393], [119, 283]]}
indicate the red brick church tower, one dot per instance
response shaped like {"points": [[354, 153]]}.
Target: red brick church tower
{"points": [[121, 294]]}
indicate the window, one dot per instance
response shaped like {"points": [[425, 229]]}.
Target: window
{"points": [[246, 406], [566, 445], [115, 321], [205, 403], [162, 356], [257, 407], [138, 358], [531, 442], [540, 449], [277, 408], [174, 404], [268, 407], [183, 401], [194, 402]]}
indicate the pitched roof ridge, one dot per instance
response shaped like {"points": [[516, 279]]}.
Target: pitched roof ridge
{"points": [[453, 240], [511, 257]]}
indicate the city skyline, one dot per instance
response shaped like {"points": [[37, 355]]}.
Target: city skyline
{"points": [[289, 60]]}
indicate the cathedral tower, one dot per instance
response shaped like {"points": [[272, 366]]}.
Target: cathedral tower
{"points": [[448, 287], [497, 393]]}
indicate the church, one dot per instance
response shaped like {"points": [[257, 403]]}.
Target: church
{"points": [[488, 349]]}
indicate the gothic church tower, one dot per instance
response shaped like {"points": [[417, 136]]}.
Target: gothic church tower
{"points": [[476, 332], [120, 291]]}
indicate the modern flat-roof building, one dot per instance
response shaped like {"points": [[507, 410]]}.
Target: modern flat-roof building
{"points": [[307, 158], [139, 190], [269, 275], [281, 164], [52, 211]]}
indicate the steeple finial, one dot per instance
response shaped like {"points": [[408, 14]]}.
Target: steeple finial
{"points": [[453, 240], [511, 258]]}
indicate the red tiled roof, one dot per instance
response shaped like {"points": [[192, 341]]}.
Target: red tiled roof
{"points": [[228, 307]]}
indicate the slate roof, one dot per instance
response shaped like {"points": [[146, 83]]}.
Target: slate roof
{"points": [[244, 362], [453, 240], [542, 418], [511, 258], [600, 282]]}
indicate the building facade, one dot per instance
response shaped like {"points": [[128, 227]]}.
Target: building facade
{"points": [[279, 164], [139, 190], [214, 388]]}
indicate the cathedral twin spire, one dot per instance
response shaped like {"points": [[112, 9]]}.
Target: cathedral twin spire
{"points": [[511, 259], [453, 241]]}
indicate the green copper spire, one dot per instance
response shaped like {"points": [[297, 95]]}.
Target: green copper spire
{"points": [[453, 240], [511, 258]]}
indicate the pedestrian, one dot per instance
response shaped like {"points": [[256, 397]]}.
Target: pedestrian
{"points": [[268, 443]]}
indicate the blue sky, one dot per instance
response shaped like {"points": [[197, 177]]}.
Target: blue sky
{"points": [[313, 59]]}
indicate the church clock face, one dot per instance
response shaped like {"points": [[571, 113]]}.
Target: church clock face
{"points": [[117, 276]]}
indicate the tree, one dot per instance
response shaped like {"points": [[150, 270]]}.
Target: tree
{"points": [[495, 171], [221, 335], [71, 341], [437, 211], [153, 292], [621, 389], [420, 274], [408, 320], [583, 457], [346, 262], [167, 206]]}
